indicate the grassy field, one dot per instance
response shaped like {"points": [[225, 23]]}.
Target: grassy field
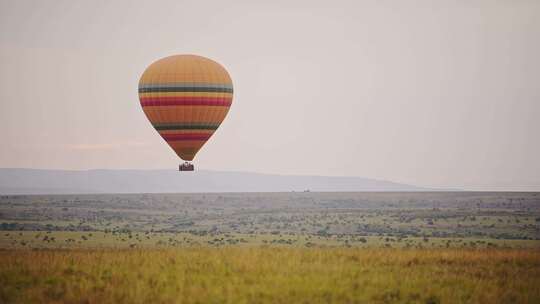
{"points": [[474, 215], [454, 247], [119, 240], [270, 275]]}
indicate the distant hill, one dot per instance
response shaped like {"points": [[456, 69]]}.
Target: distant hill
{"points": [[35, 181]]}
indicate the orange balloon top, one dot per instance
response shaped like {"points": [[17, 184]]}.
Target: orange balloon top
{"points": [[185, 68]]}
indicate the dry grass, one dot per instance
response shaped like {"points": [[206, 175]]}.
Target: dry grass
{"points": [[270, 275]]}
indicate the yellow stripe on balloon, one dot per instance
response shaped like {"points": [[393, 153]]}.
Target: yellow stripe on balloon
{"points": [[174, 114]]}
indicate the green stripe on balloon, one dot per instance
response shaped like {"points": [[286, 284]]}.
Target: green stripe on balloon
{"points": [[186, 89], [186, 85]]}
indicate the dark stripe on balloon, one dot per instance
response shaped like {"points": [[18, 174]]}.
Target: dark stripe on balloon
{"points": [[186, 126], [185, 89], [185, 85], [182, 137], [185, 101]]}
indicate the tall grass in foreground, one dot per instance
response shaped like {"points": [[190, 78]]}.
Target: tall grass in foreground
{"points": [[270, 275]]}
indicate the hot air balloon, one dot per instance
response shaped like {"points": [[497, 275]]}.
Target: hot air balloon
{"points": [[185, 97]]}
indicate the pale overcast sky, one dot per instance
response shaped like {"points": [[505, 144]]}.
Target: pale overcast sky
{"points": [[431, 93]]}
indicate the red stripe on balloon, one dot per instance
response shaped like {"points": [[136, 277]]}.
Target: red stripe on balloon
{"points": [[185, 136], [185, 101]]}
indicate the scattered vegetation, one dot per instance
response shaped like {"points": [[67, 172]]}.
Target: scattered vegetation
{"points": [[271, 248]]}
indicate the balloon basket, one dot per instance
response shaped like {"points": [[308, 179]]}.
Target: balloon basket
{"points": [[186, 167]]}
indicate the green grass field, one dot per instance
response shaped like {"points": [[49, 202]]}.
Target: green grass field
{"points": [[271, 248], [102, 240], [270, 275]]}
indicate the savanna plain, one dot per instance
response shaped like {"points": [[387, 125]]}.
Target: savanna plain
{"points": [[298, 247]]}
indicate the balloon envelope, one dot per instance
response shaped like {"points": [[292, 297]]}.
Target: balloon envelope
{"points": [[185, 97]]}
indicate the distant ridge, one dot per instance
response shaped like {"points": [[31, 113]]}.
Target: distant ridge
{"points": [[36, 181]]}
